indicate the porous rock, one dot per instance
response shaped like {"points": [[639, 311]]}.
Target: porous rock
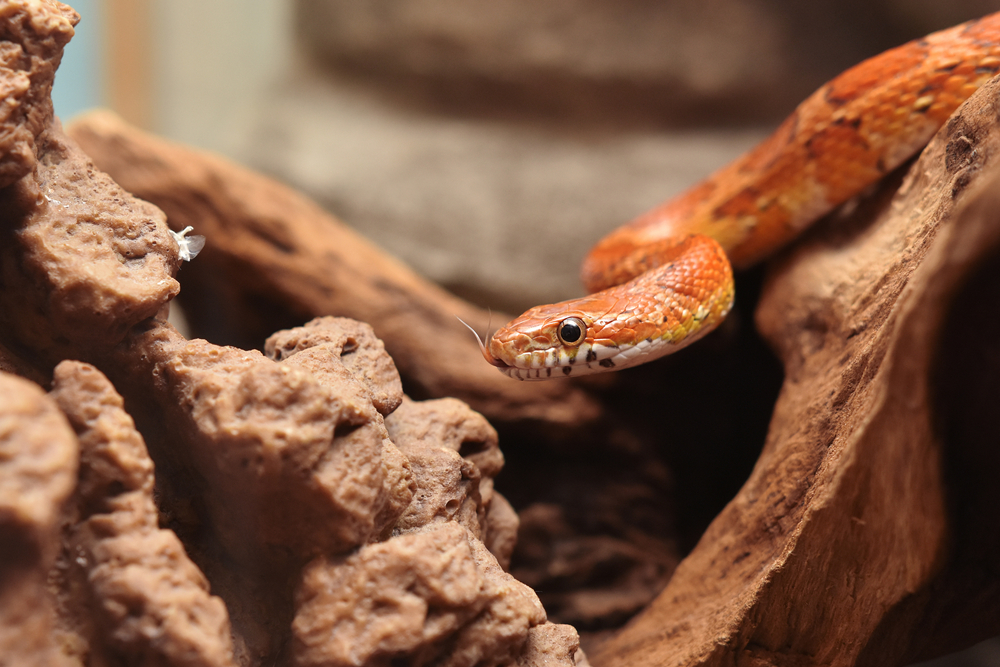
{"points": [[500, 531], [301, 462], [310, 462], [38, 462], [552, 645], [434, 595], [81, 260], [434, 434], [357, 352], [32, 36], [140, 598], [447, 490], [453, 452], [263, 465]]}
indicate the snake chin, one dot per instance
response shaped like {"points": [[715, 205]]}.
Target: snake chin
{"points": [[600, 359]]}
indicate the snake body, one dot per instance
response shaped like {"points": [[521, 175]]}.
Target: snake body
{"points": [[665, 279]]}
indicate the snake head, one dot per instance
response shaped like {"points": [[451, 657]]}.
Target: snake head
{"points": [[663, 310], [544, 342]]}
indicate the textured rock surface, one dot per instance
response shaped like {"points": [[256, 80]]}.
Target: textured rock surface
{"points": [[57, 210], [297, 464], [65, 215], [33, 34], [854, 500], [433, 434], [140, 598], [265, 468], [38, 461], [359, 355], [433, 594], [554, 645], [307, 457]]}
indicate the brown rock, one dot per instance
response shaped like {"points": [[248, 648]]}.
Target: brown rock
{"points": [[434, 595], [38, 461], [359, 354], [837, 547], [309, 461], [261, 464], [151, 602], [449, 423], [267, 244], [81, 261], [447, 490], [552, 645], [455, 457], [501, 529], [33, 35]]}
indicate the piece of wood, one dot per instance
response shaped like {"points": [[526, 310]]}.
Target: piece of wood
{"points": [[836, 551]]}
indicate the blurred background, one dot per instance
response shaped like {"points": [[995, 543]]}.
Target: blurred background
{"points": [[488, 143]]}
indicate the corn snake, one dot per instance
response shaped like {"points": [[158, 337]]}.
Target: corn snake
{"points": [[665, 279]]}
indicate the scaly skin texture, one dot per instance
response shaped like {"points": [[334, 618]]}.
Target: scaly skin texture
{"points": [[663, 280]]}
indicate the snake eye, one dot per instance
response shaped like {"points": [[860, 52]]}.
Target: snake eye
{"points": [[571, 331]]}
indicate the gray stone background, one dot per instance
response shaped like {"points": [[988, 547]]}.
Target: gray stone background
{"points": [[489, 144]]}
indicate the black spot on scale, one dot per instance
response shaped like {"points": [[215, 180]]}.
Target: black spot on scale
{"points": [[591, 356], [607, 363], [844, 120], [567, 370], [831, 97]]}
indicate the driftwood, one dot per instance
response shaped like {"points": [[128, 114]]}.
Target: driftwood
{"points": [[862, 532]]}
